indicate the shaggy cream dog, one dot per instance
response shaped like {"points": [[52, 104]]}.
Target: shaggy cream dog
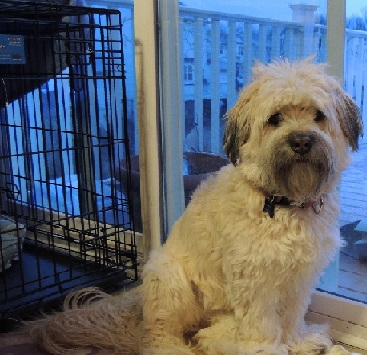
{"points": [[236, 273]]}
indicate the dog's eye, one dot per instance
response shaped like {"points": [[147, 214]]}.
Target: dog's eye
{"points": [[320, 116], [274, 120]]}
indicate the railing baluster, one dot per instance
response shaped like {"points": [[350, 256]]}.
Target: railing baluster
{"points": [[308, 39], [275, 41], [320, 44], [231, 64], [247, 52], [359, 71], [215, 139], [198, 63], [363, 104], [181, 39], [349, 75], [262, 43], [289, 45]]}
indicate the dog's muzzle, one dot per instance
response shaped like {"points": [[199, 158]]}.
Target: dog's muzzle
{"points": [[299, 165]]}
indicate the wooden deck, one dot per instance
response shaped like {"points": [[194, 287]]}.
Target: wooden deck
{"points": [[352, 278]]}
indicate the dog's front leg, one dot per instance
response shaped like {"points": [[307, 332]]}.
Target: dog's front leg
{"points": [[255, 304], [224, 337], [169, 305], [251, 330], [258, 322], [302, 339]]}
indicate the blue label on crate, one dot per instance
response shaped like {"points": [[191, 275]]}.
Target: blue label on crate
{"points": [[12, 49]]}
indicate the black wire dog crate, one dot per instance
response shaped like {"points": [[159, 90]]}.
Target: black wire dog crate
{"points": [[64, 221]]}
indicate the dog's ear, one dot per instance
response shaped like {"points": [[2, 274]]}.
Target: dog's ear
{"points": [[237, 131], [349, 117]]}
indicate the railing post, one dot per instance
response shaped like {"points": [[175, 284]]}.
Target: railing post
{"points": [[336, 32]]}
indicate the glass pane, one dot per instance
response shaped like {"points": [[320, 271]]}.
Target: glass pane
{"points": [[220, 42], [352, 280], [126, 7]]}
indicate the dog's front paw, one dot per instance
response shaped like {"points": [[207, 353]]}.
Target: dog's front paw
{"points": [[314, 340]]}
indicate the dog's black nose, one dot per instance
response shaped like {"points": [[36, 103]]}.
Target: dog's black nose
{"points": [[300, 143]]}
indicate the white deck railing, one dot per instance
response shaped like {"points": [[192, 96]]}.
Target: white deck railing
{"points": [[221, 48]]}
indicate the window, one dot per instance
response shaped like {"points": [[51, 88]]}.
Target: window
{"points": [[293, 31], [353, 220], [188, 73], [265, 32]]}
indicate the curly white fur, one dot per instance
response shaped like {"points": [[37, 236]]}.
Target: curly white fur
{"points": [[230, 279]]}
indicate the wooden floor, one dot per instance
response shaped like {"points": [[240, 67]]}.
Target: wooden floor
{"points": [[20, 343], [354, 350]]}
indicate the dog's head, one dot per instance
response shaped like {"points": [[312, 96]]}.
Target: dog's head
{"points": [[292, 128]]}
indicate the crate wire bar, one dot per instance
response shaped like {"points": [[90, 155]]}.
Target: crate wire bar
{"points": [[64, 221]]}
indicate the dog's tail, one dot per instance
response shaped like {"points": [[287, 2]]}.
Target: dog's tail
{"points": [[91, 318]]}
